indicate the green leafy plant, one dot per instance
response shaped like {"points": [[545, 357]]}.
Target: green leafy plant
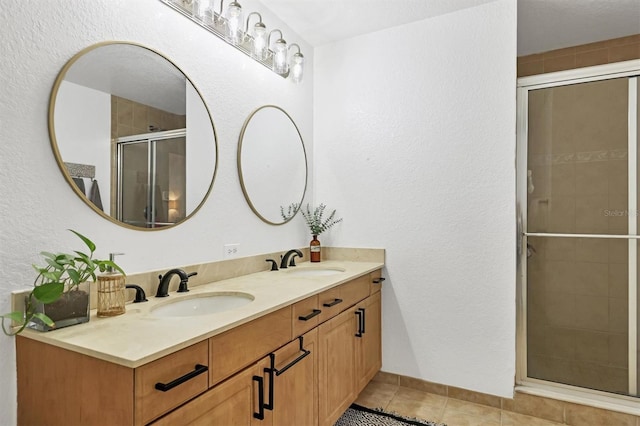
{"points": [[291, 211], [315, 221], [62, 273]]}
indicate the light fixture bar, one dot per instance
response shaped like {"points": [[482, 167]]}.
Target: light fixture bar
{"points": [[218, 26]]}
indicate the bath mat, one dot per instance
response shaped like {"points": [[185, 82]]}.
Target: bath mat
{"points": [[357, 415]]}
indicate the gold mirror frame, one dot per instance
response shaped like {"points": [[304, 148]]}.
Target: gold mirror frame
{"points": [[240, 170], [61, 164]]}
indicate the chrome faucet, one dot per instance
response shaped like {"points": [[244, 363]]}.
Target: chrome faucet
{"points": [[163, 287], [291, 254]]}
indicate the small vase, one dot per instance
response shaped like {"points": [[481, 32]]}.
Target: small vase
{"points": [[314, 249], [71, 308]]}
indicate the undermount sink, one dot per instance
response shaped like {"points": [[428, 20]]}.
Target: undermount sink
{"points": [[202, 304], [314, 271]]}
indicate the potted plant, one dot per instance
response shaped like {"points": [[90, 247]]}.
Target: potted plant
{"points": [[317, 225], [58, 298]]}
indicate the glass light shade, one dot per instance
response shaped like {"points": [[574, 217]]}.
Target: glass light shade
{"points": [[202, 9], [259, 41], [297, 67], [234, 23], [280, 65]]}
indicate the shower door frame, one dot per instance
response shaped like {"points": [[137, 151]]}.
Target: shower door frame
{"points": [[152, 139], [542, 387]]}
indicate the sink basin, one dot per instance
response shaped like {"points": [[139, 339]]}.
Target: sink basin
{"points": [[202, 304], [314, 271]]}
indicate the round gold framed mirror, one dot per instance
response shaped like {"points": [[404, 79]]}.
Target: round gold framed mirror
{"points": [[132, 136], [272, 164]]}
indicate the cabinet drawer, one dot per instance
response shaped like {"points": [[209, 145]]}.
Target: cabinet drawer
{"points": [[304, 315], [337, 299], [354, 291], [239, 347], [331, 303], [183, 374]]}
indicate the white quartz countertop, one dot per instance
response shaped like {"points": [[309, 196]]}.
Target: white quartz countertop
{"points": [[138, 337]]}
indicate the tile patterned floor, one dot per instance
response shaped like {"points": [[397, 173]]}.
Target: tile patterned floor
{"points": [[428, 406]]}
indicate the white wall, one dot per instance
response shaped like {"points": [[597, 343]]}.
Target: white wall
{"points": [[414, 131], [37, 206], [83, 128]]}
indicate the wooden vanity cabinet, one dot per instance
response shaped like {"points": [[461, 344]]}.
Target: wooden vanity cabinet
{"points": [[369, 345], [295, 383], [350, 355], [275, 370], [232, 402]]}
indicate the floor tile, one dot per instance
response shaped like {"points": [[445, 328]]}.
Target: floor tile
{"points": [[488, 414], [377, 395], [414, 403], [460, 418], [516, 419]]}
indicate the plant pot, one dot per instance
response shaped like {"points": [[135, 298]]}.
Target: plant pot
{"points": [[71, 308]]}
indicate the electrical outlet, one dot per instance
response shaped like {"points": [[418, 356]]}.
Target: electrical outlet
{"points": [[231, 250]]}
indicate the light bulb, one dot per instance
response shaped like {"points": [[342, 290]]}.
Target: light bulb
{"points": [[234, 23], [297, 67], [280, 57], [201, 8], [259, 41]]}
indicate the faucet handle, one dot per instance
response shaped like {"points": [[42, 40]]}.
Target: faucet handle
{"points": [[274, 264], [140, 295], [183, 283]]}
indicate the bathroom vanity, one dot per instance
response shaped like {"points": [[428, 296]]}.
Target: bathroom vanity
{"points": [[298, 354]]}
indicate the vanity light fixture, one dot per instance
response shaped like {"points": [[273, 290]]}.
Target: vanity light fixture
{"points": [[253, 42], [280, 65], [234, 22], [259, 37], [297, 65]]}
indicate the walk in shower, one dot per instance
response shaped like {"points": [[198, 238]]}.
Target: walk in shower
{"points": [[578, 204], [151, 178]]}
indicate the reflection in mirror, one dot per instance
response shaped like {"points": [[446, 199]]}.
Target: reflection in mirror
{"points": [[272, 164], [132, 135]]}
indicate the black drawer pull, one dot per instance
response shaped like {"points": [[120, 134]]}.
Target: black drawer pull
{"points": [[359, 314], [334, 303], [271, 370], [260, 414], [199, 369], [303, 355], [378, 280], [313, 313], [364, 320]]}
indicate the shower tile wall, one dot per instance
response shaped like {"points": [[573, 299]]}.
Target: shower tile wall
{"points": [[133, 118], [577, 287]]}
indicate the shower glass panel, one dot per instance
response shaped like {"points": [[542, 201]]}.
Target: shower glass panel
{"points": [[151, 180], [578, 187]]}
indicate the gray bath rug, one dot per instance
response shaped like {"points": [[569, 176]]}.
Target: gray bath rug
{"points": [[357, 415]]}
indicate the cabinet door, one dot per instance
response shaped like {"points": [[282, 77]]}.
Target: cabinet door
{"points": [[295, 389], [336, 366], [369, 345], [231, 403]]}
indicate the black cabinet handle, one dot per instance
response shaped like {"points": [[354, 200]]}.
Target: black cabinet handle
{"points": [[273, 370], [303, 355], [334, 303], [199, 369], [364, 319], [313, 313], [359, 315], [378, 280], [260, 414]]}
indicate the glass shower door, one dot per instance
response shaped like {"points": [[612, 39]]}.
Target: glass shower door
{"points": [[581, 227], [151, 184]]}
